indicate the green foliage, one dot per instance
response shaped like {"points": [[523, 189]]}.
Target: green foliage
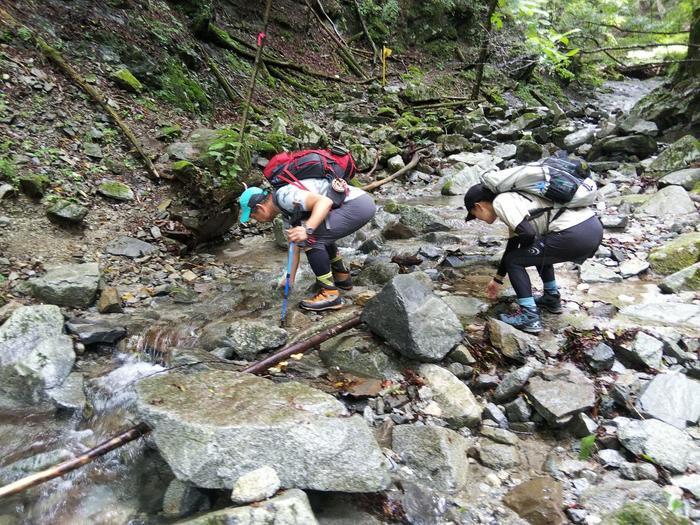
{"points": [[183, 91], [24, 33], [8, 170], [587, 445], [380, 16], [229, 155]]}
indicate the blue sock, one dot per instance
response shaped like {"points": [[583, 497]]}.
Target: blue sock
{"points": [[551, 287], [527, 302]]}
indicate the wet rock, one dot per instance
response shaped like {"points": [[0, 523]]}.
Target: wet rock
{"points": [[634, 125], [115, 190], [360, 354], [457, 403], [256, 485], [666, 445], [342, 509], [31, 465], [109, 301], [395, 163], [681, 314], [437, 456], [643, 351], [638, 471], [413, 320], [518, 411], [579, 138], [419, 219], [640, 145], [512, 384], [677, 156], [459, 183], [687, 279], [560, 392], [670, 201], [645, 513], [593, 272], [453, 143], [377, 272], [129, 247], [213, 426], [528, 150], [73, 285], [612, 493], [67, 211], [672, 398], [290, 508], [35, 355], [687, 178], [600, 357], [398, 230], [538, 500], [183, 499], [70, 394], [677, 254], [92, 332], [126, 80], [310, 134], [513, 343], [466, 308], [632, 267], [498, 456], [246, 338]]}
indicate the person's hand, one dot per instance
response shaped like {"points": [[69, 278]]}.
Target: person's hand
{"points": [[297, 234], [492, 289], [282, 281]]}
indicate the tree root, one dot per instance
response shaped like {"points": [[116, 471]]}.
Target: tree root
{"points": [[414, 162]]}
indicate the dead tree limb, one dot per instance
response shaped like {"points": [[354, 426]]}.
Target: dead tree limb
{"points": [[375, 50], [636, 46], [623, 30], [56, 57], [414, 162], [450, 104], [484, 50]]}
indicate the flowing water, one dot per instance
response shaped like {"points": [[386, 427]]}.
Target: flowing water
{"points": [[134, 477]]}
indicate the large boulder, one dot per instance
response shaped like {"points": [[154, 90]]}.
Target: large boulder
{"points": [[679, 155], [538, 500], [557, 393], [360, 354], [668, 202], [685, 279], [213, 426], [412, 320], [673, 398], [639, 145], [73, 285], [35, 355], [459, 183], [677, 254], [579, 138], [680, 314], [458, 405], [643, 351], [289, 508], [437, 456], [688, 178], [245, 339], [662, 443], [419, 219]]}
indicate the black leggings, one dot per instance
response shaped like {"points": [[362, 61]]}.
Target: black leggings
{"points": [[575, 244]]}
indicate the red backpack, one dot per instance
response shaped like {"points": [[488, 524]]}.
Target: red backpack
{"points": [[291, 168]]}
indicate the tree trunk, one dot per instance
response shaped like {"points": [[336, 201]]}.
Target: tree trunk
{"points": [[692, 69], [483, 52]]}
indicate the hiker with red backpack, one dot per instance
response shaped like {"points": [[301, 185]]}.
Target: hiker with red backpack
{"points": [[546, 208], [311, 191]]}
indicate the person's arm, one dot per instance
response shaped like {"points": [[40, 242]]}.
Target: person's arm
{"points": [[319, 206]]}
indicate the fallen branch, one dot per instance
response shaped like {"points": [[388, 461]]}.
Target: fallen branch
{"points": [[636, 46], [374, 166], [53, 55], [635, 30], [450, 104], [284, 77], [375, 50], [414, 162]]}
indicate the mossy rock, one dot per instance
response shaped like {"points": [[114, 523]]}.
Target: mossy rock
{"points": [[67, 211], [183, 91], [644, 514], [677, 254], [182, 168], [364, 157], [679, 155], [34, 185], [115, 190], [169, 132], [387, 111], [389, 150], [124, 79]]}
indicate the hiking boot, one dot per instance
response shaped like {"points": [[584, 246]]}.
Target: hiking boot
{"points": [[326, 299], [525, 319], [550, 302], [342, 280]]}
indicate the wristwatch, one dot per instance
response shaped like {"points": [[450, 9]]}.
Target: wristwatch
{"points": [[310, 231]]}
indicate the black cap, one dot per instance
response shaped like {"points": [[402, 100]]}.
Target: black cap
{"points": [[476, 193]]}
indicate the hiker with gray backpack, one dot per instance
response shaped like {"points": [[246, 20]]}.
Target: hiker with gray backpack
{"points": [[546, 208]]}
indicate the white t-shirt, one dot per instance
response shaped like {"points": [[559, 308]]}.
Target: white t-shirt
{"points": [[512, 208], [289, 197]]}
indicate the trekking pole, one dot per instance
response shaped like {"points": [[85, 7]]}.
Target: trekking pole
{"points": [[290, 256]]}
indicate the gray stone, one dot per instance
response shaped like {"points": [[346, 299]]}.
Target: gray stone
{"points": [[256, 485], [643, 351], [518, 411], [639, 145], [438, 456], [612, 493], [679, 155], [593, 272], [246, 338], [395, 163], [453, 143], [7, 190], [213, 426], [681, 314], [686, 178], [378, 272], [512, 384], [35, 355], [92, 332], [290, 508], [466, 308], [93, 150], [600, 357], [67, 211], [73, 285], [662, 443], [687, 279], [528, 151], [486, 161], [538, 500], [182, 499], [579, 138], [360, 354], [418, 218], [129, 247], [617, 221], [638, 471], [581, 425], [499, 435], [670, 201], [413, 320], [459, 183], [310, 134], [70, 394], [458, 405], [498, 456], [632, 267], [672, 398], [31, 465], [634, 125], [689, 482], [343, 509], [610, 457], [115, 190], [513, 343], [505, 151], [560, 392], [492, 412]]}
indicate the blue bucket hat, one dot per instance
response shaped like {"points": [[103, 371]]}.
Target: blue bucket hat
{"points": [[249, 199]]}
